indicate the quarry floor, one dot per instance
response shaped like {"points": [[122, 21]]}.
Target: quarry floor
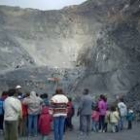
{"points": [[133, 134]]}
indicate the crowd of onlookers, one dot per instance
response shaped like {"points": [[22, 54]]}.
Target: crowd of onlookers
{"points": [[105, 117], [30, 114]]}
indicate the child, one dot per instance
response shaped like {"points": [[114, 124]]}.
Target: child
{"points": [[45, 123], [95, 119], [107, 120], [70, 114], [130, 118], [114, 119]]}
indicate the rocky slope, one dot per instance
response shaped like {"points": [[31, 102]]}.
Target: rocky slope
{"points": [[94, 45]]}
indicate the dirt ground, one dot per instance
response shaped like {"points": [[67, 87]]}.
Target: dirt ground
{"points": [[133, 134]]}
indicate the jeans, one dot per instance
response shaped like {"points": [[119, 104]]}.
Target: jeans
{"points": [[85, 120], [11, 130], [23, 126], [59, 127], [95, 126], [114, 127], [101, 122], [68, 123], [32, 124], [121, 123], [1, 121], [129, 125]]}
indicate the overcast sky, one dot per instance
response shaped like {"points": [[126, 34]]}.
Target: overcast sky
{"points": [[41, 4]]}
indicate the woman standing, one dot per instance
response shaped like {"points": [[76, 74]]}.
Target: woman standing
{"points": [[59, 108], [102, 105]]}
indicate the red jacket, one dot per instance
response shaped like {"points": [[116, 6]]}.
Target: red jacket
{"points": [[45, 122], [70, 110], [24, 110]]}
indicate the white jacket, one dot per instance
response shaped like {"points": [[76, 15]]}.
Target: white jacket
{"points": [[122, 109], [34, 103], [12, 109]]}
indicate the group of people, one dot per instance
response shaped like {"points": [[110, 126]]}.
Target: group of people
{"points": [[105, 117], [30, 114]]}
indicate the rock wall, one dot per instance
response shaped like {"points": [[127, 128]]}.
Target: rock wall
{"points": [[100, 38]]}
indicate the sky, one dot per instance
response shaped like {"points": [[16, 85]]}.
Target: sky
{"points": [[41, 4]]}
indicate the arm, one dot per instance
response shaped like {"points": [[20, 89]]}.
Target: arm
{"points": [[17, 107], [80, 105]]}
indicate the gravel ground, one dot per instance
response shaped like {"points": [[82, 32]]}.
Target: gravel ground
{"points": [[133, 134]]}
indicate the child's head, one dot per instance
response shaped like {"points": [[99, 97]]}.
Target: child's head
{"points": [[96, 108], [70, 99], [113, 108]]}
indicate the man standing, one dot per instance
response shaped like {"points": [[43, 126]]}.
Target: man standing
{"points": [[13, 111], [85, 110], [123, 112], [18, 91], [59, 108]]}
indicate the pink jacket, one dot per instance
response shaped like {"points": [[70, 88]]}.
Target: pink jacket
{"points": [[102, 107], [95, 116], [45, 122]]}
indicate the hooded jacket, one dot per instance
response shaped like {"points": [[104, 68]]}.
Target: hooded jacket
{"points": [[45, 122], [102, 107], [33, 103], [122, 109]]}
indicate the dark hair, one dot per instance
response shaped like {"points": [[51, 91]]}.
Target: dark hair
{"points": [[86, 91], [42, 96], [4, 93], [113, 108], [97, 108], [103, 97], [70, 99], [11, 92], [27, 94], [45, 95], [59, 91], [121, 100]]}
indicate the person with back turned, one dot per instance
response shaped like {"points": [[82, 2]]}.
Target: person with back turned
{"points": [[13, 111], [59, 108], [85, 110]]}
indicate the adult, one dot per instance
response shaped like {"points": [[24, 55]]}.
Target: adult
{"points": [[59, 108], [123, 112], [33, 103], [102, 105], [85, 111], [18, 91], [12, 112]]}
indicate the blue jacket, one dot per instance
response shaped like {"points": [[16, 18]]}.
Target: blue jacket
{"points": [[1, 107], [130, 116]]}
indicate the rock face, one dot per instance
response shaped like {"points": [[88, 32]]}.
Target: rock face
{"points": [[96, 45]]}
